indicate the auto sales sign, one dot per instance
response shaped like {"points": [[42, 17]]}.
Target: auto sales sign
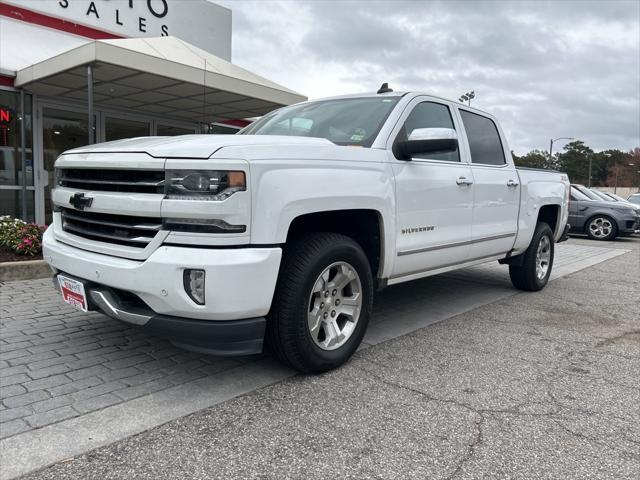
{"points": [[199, 22]]}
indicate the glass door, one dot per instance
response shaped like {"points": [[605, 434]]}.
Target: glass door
{"points": [[118, 128], [173, 130], [12, 177], [61, 130]]}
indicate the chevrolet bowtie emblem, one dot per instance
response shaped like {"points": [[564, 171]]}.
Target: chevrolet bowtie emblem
{"points": [[79, 201]]}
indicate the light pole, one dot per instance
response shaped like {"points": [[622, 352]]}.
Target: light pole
{"points": [[467, 97], [551, 149]]}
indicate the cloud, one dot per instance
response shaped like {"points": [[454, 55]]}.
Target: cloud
{"points": [[546, 69]]}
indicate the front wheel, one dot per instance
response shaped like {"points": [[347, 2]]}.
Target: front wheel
{"points": [[322, 303], [602, 227], [537, 261]]}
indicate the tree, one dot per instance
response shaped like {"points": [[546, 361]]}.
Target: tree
{"points": [[623, 169], [533, 159], [575, 162]]}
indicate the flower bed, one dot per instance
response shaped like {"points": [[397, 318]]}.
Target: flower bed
{"points": [[20, 240]]}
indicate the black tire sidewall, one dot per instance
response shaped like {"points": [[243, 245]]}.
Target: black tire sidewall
{"points": [[359, 262], [542, 230], [340, 249]]}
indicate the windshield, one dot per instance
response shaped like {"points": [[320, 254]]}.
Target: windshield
{"points": [[588, 193], [604, 196], [352, 121], [577, 195], [634, 199], [617, 197]]}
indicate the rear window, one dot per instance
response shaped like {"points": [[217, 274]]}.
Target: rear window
{"points": [[484, 140]]}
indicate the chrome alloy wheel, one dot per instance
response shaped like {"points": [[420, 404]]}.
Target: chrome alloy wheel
{"points": [[543, 257], [334, 306], [600, 227]]}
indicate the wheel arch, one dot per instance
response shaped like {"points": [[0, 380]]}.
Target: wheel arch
{"points": [[365, 226], [550, 214]]}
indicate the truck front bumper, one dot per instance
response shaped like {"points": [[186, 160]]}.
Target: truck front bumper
{"points": [[218, 337], [239, 287]]}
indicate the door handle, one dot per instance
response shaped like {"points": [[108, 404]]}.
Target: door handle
{"points": [[464, 181], [512, 183]]}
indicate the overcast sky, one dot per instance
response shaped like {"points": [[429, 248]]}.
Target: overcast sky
{"points": [[564, 68]]}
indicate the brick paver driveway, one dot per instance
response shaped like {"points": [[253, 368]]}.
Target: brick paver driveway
{"points": [[58, 365]]}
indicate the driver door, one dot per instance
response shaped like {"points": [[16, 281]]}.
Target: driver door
{"points": [[434, 198]]}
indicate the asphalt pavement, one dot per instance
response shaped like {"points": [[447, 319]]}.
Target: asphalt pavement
{"points": [[535, 385]]}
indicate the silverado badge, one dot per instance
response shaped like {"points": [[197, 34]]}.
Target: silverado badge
{"points": [[427, 228]]}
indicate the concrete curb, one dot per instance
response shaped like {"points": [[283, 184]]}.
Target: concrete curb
{"points": [[24, 270], [36, 449]]}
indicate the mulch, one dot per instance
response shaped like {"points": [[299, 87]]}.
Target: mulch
{"points": [[7, 255]]}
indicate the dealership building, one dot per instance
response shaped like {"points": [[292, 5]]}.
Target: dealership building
{"points": [[74, 72]]}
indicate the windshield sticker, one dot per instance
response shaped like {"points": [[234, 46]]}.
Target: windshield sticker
{"points": [[358, 135]]}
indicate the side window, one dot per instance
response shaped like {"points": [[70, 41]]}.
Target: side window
{"points": [[484, 140], [429, 115]]}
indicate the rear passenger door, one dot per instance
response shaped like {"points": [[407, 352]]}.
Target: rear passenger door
{"points": [[434, 196], [497, 190]]}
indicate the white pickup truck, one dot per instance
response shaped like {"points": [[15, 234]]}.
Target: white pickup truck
{"points": [[283, 232]]}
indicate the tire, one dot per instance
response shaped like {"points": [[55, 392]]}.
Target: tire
{"points": [[303, 329], [529, 276], [601, 227]]}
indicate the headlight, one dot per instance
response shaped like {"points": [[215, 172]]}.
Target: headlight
{"points": [[213, 185]]}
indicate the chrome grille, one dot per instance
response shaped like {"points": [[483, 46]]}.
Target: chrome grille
{"points": [[107, 180], [103, 227]]}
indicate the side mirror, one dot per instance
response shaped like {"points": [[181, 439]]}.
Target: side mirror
{"points": [[426, 140]]}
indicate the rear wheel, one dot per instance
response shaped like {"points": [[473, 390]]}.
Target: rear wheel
{"points": [[322, 303], [602, 227], [537, 261]]}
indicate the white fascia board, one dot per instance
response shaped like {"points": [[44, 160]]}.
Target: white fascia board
{"points": [[82, 55]]}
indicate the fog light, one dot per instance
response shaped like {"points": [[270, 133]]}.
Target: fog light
{"points": [[194, 285]]}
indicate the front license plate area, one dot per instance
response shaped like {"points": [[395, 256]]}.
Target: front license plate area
{"points": [[73, 292]]}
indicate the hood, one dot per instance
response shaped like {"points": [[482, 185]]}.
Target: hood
{"points": [[635, 206], [194, 146], [604, 204]]}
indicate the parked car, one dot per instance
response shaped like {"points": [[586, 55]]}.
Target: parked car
{"points": [[587, 192], [613, 196], [618, 198], [287, 228], [599, 219], [605, 196], [634, 198]]}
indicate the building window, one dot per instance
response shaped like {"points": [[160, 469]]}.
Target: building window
{"points": [[11, 174], [120, 128], [170, 131]]}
